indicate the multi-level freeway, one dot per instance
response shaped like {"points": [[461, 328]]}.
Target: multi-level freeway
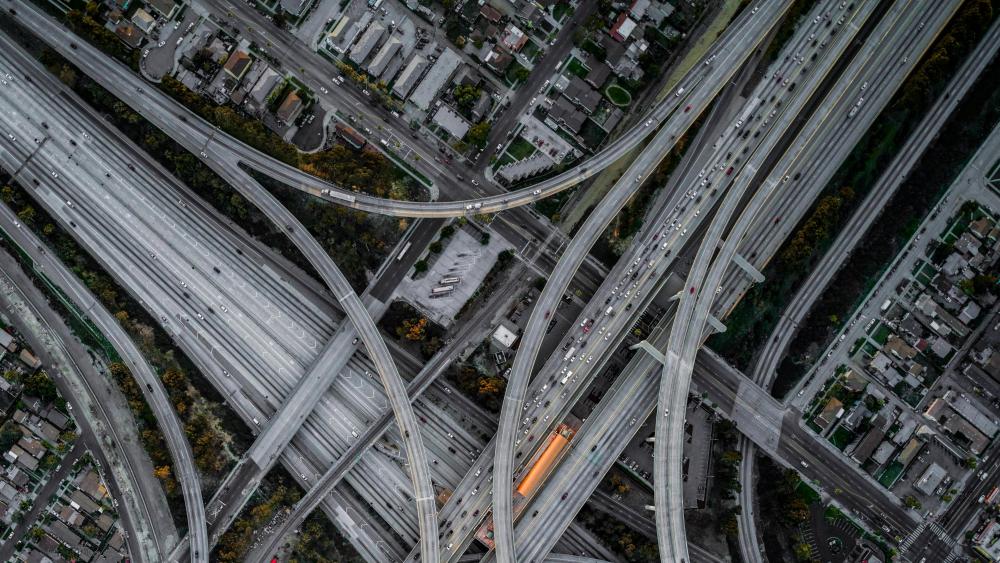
{"points": [[259, 321], [649, 258], [694, 311], [540, 381], [763, 15], [150, 384]]}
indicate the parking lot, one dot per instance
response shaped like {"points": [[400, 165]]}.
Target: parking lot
{"points": [[463, 257]]}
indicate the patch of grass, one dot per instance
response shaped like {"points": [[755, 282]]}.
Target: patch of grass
{"points": [[881, 334], [520, 149], [618, 95], [575, 66], [841, 437], [890, 474], [807, 493]]}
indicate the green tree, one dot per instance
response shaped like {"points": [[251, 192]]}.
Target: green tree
{"points": [[27, 215], [478, 134], [420, 266], [520, 74], [466, 96], [802, 551], [40, 385], [9, 435]]}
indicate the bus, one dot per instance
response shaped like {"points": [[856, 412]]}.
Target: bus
{"points": [[992, 496], [450, 281], [442, 290], [746, 114], [403, 252], [569, 353]]}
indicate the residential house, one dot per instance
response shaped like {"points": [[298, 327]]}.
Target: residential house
{"points": [[513, 38], [623, 27], [384, 56], [237, 64], [408, 77], [498, 61], [581, 94], [290, 108], [30, 359], [866, 447], [166, 8], [490, 13], [7, 341], [452, 122], [143, 20], [130, 35], [564, 114], [833, 409], [435, 79], [598, 74], [366, 43]]}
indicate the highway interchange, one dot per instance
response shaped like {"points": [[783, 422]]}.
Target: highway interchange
{"points": [[294, 347], [300, 341]]}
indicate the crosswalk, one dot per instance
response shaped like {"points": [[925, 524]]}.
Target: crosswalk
{"points": [[908, 540], [935, 529]]}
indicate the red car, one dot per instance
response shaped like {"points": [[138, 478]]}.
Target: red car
{"points": [[692, 290], [687, 109], [730, 171]]}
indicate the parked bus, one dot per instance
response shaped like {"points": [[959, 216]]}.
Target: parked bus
{"points": [[442, 290], [992, 496], [450, 281]]}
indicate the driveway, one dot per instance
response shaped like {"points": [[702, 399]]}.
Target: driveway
{"points": [[161, 60]]}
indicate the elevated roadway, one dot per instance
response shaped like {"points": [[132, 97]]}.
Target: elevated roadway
{"points": [[199, 137], [757, 22], [695, 305], [224, 378], [415, 388], [542, 380], [764, 369], [149, 382]]}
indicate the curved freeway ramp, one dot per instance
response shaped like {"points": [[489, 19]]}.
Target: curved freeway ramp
{"points": [[740, 39], [228, 169], [152, 387], [695, 309], [197, 135]]}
